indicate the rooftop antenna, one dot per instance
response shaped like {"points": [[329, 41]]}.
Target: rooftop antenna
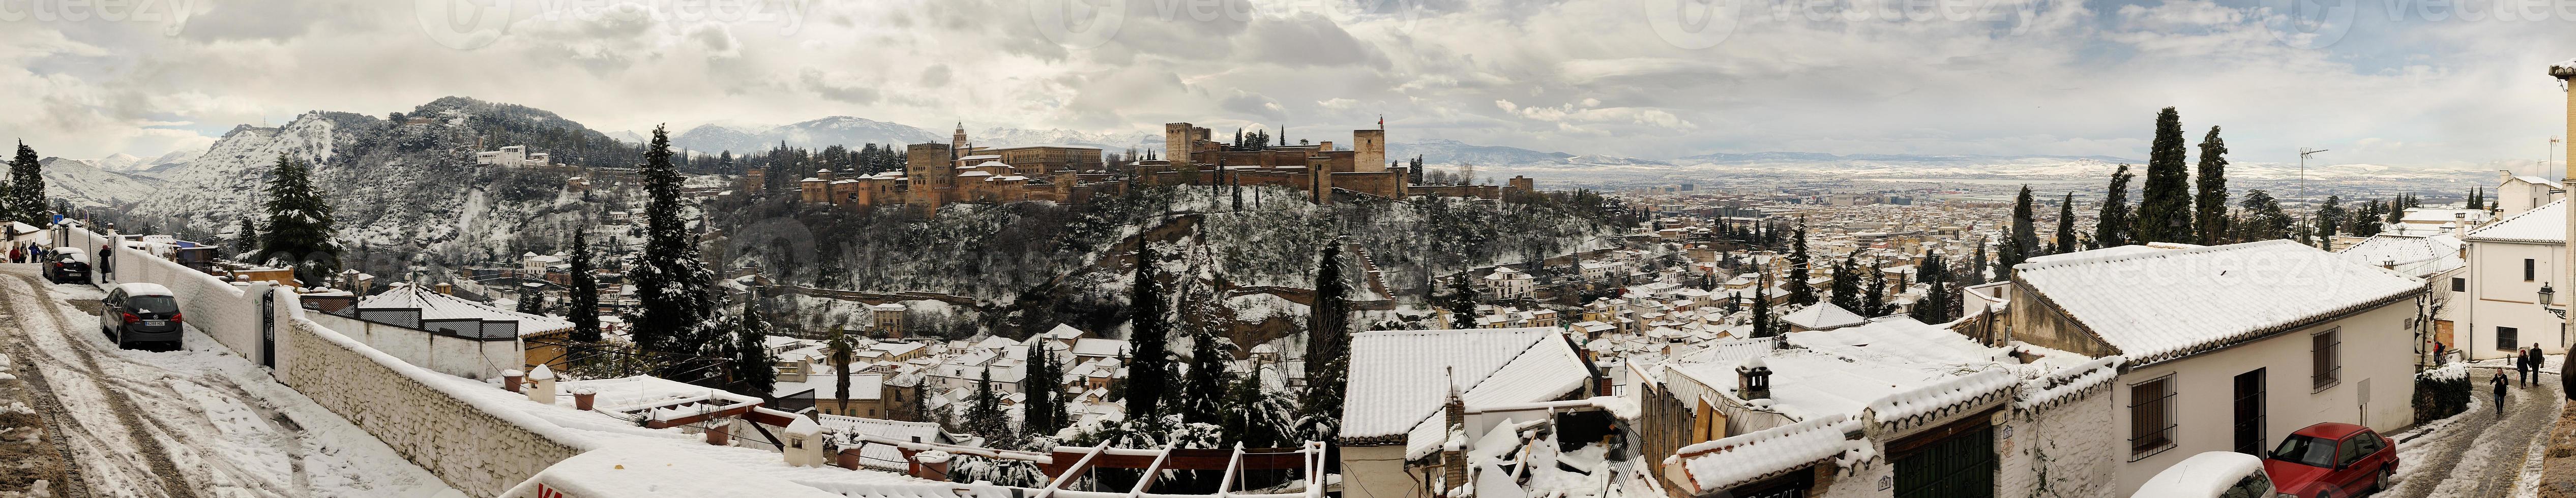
{"points": [[2548, 152], [2304, 152]]}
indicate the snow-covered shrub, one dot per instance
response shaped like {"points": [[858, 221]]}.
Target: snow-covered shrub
{"points": [[2442, 392]]}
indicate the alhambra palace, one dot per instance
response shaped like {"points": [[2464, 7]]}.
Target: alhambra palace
{"points": [[936, 174]]}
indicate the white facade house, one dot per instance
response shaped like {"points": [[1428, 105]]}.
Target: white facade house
{"points": [[2515, 194], [2229, 347], [1395, 424], [1506, 284], [2509, 262]]}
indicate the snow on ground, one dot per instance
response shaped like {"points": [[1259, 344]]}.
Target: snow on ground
{"points": [[227, 427], [2477, 453]]}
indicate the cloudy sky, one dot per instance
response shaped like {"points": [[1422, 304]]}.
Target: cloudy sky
{"points": [[2400, 82]]}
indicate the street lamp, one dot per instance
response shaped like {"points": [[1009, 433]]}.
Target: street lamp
{"points": [[2548, 296]]}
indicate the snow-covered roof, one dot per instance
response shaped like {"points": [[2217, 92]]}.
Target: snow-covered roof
{"points": [[2172, 303], [1397, 376], [1723, 463], [434, 305], [2546, 224], [2539, 180], [661, 470], [1899, 336], [2420, 256], [1096, 346], [880, 456], [1824, 316]]}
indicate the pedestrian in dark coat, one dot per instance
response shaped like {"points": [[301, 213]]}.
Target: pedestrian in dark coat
{"points": [[2537, 360], [2521, 363], [2499, 383]]}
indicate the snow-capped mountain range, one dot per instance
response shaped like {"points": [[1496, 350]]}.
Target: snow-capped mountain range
{"points": [[853, 132]]}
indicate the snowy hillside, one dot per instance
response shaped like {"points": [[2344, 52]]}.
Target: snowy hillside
{"points": [[86, 185]]}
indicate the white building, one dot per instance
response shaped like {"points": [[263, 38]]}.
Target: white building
{"points": [[2515, 194], [2509, 262], [515, 155], [1395, 423], [2229, 347], [1506, 284]]}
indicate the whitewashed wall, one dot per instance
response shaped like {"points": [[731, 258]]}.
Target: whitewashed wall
{"points": [[460, 357], [2068, 450]]}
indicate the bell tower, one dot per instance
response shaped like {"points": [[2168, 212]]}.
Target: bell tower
{"points": [[958, 142]]}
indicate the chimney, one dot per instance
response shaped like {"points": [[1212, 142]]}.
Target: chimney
{"points": [[445, 288], [544, 391], [1453, 458], [1753, 379]]}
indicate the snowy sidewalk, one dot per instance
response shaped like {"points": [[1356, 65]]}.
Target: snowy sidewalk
{"points": [[221, 425]]}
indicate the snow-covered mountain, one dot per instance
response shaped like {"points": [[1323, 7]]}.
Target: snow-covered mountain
{"points": [[84, 184], [1445, 151], [1113, 143]]}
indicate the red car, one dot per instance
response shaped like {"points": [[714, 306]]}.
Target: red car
{"points": [[2332, 460]]}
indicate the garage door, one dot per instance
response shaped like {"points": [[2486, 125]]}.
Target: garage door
{"points": [[1960, 464]]}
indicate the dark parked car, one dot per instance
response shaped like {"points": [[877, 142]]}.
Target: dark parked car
{"points": [[2332, 460], [69, 265], [140, 313]]}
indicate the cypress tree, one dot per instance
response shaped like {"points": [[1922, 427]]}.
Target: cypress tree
{"points": [[2477, 198], [2328, 216], [27, 187], [1873, 301], [1328, 354], [245, 239], [1799, 292], [1935, 275], [842, 348], [673, 303], [2024, 242], [2212, 213], [2066, 225], [2164, 207], [755, 371], [984, 411], [1977, 268], [1846, 285], [299, 224], [1762, 305], [1206, 382], [2114, 227], [1149, 331], [584, 302], [1044, 414]]}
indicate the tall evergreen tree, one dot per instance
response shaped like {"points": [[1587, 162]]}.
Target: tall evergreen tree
{"points": [[754, 369], [1045, 412], [842, 348], [299, 224], [27, 187], [1935, 275], [584, 302], [2065, 225], [2024, 242], [2212, 210], [1977, 266], [2328, 216], [1206, 382], [673, 302], [1762, 305], [1799, 292], [246, 238], [1149, 373], [2164, 206], [1873, 300], [984, 414], [1845, 288], [2477, 198], [1328, 350], [2113, 227]]}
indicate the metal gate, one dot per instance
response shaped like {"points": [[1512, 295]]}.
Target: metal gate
{"points": [[2249, 413], [268, 329], [1961, 465]]}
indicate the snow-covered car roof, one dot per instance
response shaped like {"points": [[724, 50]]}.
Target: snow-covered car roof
{"points": [[2205, 474], [144, 289]]}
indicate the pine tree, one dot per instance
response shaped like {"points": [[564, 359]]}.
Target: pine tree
{"points": [[2328, 215], [1845, 288], [673, 302], [2477, 198], [1799, 292], [754, 369], [1873, 301], [984, 412], [246, 239], [1328, 354], [1206, 382], [2212, 210], [584, 302], [2065, 225], [1149, 333], [2164, 206], [26, 200], [2113, 227], [2263, 217], [299, 224], [1977, 266], [530, 301]]}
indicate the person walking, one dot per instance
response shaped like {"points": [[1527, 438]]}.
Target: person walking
{"points": [[2500, 384], [2437, 353], [2521, 363], [2537, 360]]}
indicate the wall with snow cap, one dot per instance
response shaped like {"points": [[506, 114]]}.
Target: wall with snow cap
{"points": [[450, 355], [481, 450], [217, 308], [2055, 442]]}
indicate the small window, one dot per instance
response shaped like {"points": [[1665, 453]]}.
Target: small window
{"points": [[2459, 284], [2151, 417], [2506, 337], [2529, 269], [2328, 366]]}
